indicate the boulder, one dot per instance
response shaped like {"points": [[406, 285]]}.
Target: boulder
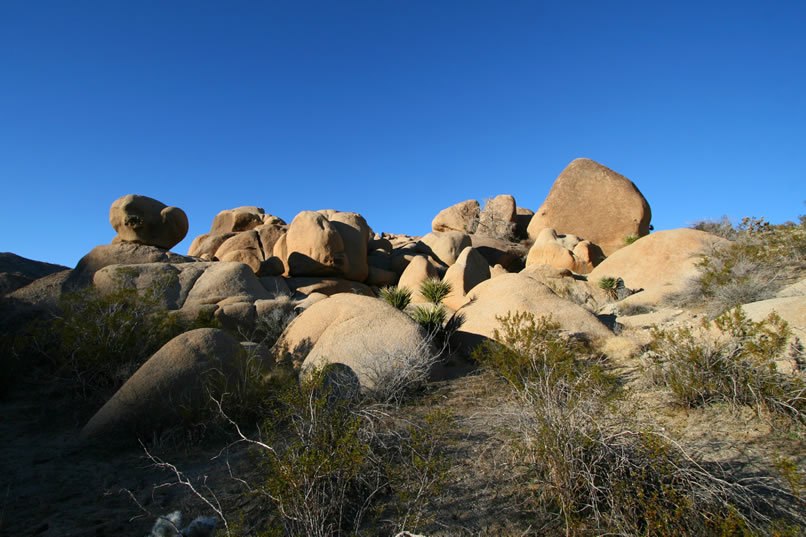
{"points": [[498, 217], [166, 283], [500, 252], [791, 309], [223, 279], [522, 218], [327, 286], [592, 201], [419, 269], [469, 270], [314, 247], [127, 253], [566, 285], [302, 334], [564, 252], [243, 247], [520, 293], [173, 382], [661, 264], [462, 217], [374, 348], [144, 220], [444, 246], [379, 277], [206, 245], [355, 234], [238, 219], [269, 234]]}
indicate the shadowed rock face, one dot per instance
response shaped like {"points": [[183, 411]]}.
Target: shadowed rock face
{"points": [[144, 220], [16, 271], [594, 202]]}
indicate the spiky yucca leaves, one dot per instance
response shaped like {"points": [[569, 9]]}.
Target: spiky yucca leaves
{"points": [[434, 290], [399, 297], [610, 286], [431, 317]]}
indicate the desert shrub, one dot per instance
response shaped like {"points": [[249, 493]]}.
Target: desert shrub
{"points": [[434, 290], [99, 339], [418, 465], [753, 265], [631, 238], [271, 323], [721, 228], [591, 470], [737, 367], [319, 471], [398, 297], [634, 309]]}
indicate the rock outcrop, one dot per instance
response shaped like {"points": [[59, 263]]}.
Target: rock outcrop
{"points": [[594, 202]]}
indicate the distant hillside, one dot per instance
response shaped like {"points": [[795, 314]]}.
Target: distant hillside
{"points": [[17, 271]]}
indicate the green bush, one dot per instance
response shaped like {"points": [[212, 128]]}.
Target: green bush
{"points": [[629, 239], [737, 367]]}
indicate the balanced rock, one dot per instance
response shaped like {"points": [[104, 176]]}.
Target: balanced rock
{"points": [[144, 220], [592, 201], [462, 217]]}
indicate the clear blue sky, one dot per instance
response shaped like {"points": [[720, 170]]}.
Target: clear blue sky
{"points": [[394, 109]]}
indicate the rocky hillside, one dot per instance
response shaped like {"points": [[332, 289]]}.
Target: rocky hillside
{"points": [[514, 372]]}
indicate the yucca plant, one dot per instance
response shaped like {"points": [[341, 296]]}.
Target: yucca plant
{"points": [[431, 317], [610, 286], [434, 290], [399, 297]]}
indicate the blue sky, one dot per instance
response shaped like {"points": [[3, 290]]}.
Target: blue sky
{"points": [[393, 109]]}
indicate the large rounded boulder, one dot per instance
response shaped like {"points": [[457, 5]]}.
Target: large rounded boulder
{"points": [[661, 264], [314, 247], [594, 202], [144, 220], [172, 383], [462, 217], [512, 293]]}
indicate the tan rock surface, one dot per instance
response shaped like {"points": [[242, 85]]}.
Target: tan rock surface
{"points": [[419, 269], [314, 247], [355, 234], [237, 219], [462, 217], [444, 246], [520, 293], [172, 380], [594, 202], [662, 263], [469, 270]]}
